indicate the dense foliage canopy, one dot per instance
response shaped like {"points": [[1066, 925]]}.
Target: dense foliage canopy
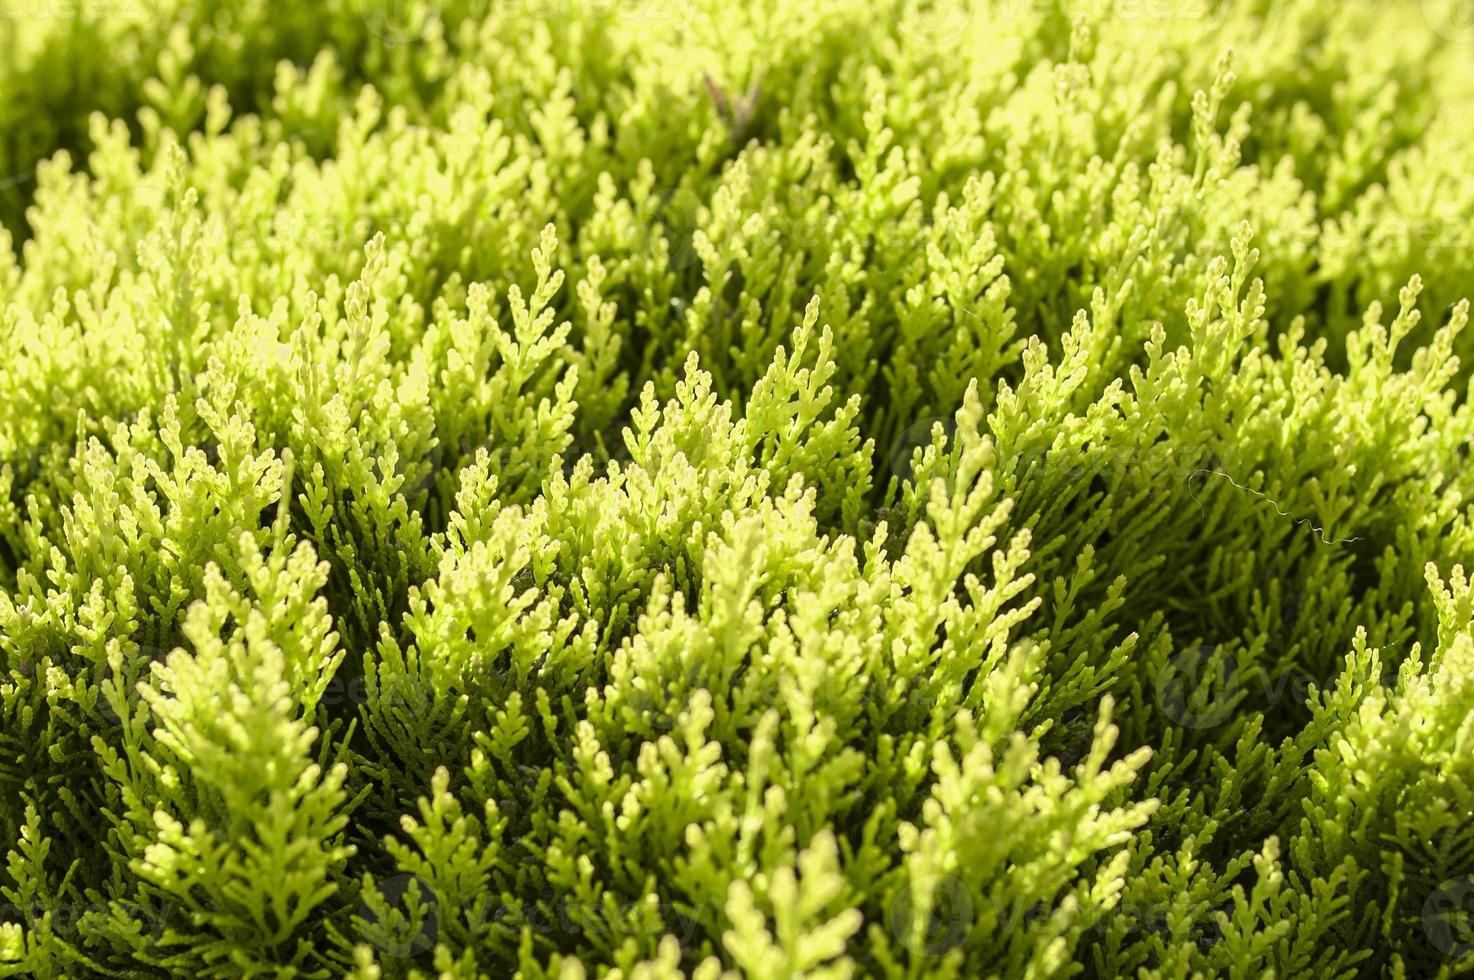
{"points": [[796, 488]]}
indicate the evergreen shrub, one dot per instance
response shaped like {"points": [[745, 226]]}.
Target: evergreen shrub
{"points": [[795, 488]]}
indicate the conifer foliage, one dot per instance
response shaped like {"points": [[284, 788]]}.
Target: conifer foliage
{"points": [[680, 488]]}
